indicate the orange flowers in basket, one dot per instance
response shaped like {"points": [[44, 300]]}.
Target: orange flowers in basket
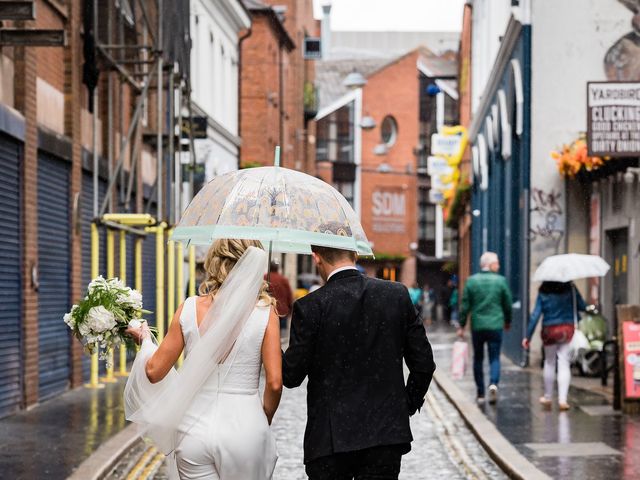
{"points": [[573, 158]]}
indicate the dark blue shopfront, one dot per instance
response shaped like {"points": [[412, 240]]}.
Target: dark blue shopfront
{"points": [[500, 133]]}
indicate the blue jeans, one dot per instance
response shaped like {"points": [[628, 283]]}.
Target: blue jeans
{"points": [[493, 339]]}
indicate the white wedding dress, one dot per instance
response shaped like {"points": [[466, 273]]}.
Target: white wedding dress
{"points": [[232, 440], [207, 417]]}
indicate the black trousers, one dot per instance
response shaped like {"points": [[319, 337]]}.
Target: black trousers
{"points": [[377, 463]]}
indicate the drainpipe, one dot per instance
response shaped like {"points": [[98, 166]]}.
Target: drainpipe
{"points": [[240, 42]]}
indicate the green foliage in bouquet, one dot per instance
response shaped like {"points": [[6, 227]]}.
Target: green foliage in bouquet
{"points": [[100, 320]]}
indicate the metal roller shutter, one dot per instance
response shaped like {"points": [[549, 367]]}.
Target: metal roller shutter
{"points": [[86, 210], [54, 275], [10, 277], [149, 277]]}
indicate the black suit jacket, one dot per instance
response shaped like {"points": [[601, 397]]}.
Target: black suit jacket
{"points": [[350, 338]]}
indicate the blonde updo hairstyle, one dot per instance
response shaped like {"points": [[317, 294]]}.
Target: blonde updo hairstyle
{"points": [[221, 258]]}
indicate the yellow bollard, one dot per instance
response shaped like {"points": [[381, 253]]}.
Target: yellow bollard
{"points": [[138, 261], [180, 280], [160, 280], [192, 270], [180, 272], [95, 271], [171, 279], [138, 266], [122, 372], [109, 377]]}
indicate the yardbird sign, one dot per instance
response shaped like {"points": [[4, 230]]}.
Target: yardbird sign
{"points": [[613, 119]]}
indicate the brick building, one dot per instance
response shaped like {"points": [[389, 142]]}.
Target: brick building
{"points": [[369, 136], [47, 190], [277, 84], [278, 94]]}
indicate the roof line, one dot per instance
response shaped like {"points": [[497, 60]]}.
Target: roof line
{"points": [[336, 104], [276, 25]]}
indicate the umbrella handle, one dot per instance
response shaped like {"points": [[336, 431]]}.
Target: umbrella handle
{"points": [[276, 161], [271, 244]]}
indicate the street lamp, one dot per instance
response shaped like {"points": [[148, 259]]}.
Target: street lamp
{"points": [[367, 123], [380, 149], [354, 80]]}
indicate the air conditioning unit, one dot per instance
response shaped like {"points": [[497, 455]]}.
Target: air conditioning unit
{"points": [[312, 49]]}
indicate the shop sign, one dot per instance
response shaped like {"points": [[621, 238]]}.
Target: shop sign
{"points": [[613, 119], [445, 144], [438, 184], [388, 208], [438, 166], [631, 352], [436, 196]]}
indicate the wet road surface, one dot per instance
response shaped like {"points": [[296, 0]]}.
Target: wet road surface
{"points": [[443, 447], [591, 441]]}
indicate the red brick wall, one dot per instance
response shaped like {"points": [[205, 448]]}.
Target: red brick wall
{"points": [[72, 90], [464, 82], [259, 94], [50, 61], [25, 100], [298, 20], [392, 91]]}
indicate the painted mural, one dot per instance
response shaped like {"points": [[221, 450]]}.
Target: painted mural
{"points": [[622, 60]]}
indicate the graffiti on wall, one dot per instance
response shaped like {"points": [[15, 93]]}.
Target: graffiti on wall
{"points": [[547, 219]]}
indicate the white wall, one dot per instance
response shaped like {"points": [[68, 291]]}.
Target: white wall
{"points": [[569, 41], [489, 23], [214, 60]]}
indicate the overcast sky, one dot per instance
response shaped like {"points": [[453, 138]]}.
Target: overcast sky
{"points": [[394, 15]]}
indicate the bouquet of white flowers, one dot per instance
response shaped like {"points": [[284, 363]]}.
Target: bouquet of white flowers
{"points": [[100, 320]]}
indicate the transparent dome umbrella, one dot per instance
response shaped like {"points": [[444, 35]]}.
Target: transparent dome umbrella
{"points": [[287, 210]]}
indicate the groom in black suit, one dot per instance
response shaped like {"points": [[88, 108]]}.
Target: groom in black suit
{"points": [[350, 338]]}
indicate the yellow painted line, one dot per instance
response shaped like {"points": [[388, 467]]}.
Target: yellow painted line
{"points": [[138, 468], [152, 466]]}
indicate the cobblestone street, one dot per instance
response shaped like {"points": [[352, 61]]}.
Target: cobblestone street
{"points": [[443, 447]]}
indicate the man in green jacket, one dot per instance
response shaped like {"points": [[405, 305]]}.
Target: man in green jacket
{"points": [[487, 298]]}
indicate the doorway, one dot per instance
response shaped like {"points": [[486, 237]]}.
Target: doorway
{"points": [[616, 281]]}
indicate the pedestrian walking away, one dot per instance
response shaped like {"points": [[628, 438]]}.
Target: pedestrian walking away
{"points": [[281, 290], [487, 298], [350, 339], [557, 304]]}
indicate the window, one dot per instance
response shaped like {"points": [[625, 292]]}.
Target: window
{"points": [[335, 136], [346, 189], [389, 131]]}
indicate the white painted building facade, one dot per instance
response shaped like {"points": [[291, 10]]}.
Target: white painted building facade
{"points": [[565, 42], [216, 26]]}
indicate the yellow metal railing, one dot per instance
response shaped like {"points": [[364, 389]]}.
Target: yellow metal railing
{"points": [[122, 371], [95, 271], [110, 377], [174, 270]]}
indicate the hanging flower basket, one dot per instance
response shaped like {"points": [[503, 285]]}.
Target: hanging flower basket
{"points": [[454, 208], [573, 159]]}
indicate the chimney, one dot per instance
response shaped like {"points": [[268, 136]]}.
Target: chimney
{"points": [[325, 31]]}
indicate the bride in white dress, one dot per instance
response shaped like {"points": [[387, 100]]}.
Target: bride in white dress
{"points": [[208, 415]]}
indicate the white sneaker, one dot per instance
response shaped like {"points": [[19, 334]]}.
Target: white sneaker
{"points": [[493, 394]]}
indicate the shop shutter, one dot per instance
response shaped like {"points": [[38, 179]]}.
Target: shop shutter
{"points": [[149, 277], [54, 275], [10, 277]]}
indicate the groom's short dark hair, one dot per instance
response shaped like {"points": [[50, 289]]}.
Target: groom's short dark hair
{"points": [[334, 255]]}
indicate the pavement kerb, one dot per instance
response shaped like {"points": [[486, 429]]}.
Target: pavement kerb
{"points": [[97, 466], [508, 458]]}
